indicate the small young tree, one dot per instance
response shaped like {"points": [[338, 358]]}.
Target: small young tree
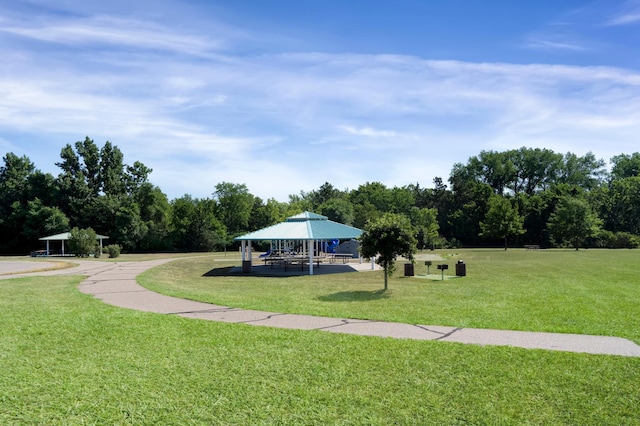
{"points": [[573, 221], [82, 242], [502, 220], [388, 237]]}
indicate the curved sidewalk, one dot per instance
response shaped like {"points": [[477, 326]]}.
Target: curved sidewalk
{"points": [[115, 284]]}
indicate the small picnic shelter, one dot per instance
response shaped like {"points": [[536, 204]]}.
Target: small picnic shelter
{"points": [[65, 236], [300, 238]]}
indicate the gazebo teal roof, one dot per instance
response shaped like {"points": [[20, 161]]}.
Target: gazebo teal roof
{"points": [[304, 226]]}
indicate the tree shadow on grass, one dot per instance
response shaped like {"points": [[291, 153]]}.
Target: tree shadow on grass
{"points": [[355, 296]]}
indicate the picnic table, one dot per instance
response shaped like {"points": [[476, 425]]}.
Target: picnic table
{"points": [[290, 259], [334, 257]]}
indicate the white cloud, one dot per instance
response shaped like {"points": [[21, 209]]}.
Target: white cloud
{"points": [[282, 123], [368, 132]]}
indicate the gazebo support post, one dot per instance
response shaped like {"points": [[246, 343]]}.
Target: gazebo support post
{"points": [[246, 256], [311, 244]]}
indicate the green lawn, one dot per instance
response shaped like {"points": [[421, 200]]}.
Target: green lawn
{"points": [[66, 358], [586, 292]]}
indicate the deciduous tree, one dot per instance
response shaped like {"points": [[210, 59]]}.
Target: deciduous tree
{"points": [[502, 220], [387, 238], [234, 206], [573, 221]]}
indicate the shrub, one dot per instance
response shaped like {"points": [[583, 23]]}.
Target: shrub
{"points": [[626, 240], [82, 242], [608, 239], [113, 250]]}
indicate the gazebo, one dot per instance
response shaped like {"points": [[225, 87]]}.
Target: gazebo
{"points": [[306, 233], [65, 237]]}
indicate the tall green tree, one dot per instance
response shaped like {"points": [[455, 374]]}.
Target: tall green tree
{"points": [[112, 170], [88, 158], [624, 166], [155, 211], [536, 169], [41, 221], [387, 238], [425, 223], [468, 206], [323, 194], [502, 220], [194, 225], [622, 205], [267, 214], [205, 232], [585, 172], [234, 205], [372, 199], [573, 221], [20, 183], [298, 203], [75, 193], [97, 190], [338, 209]]}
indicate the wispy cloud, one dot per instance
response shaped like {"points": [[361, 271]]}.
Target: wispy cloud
{"points": [[116, 32], [628, 15], [537, 43]]}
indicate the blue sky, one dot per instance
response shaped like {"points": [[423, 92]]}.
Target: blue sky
{"points": [[284, 95]]}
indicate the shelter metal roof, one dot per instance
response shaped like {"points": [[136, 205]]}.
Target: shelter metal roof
{"points": [[66, 236], [304, 226]]}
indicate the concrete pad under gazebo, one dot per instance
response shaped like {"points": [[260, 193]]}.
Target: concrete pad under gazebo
{"points": [[299, 239], [65, 236]]}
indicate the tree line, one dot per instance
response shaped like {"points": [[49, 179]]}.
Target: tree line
{"points": [[515, 197]]}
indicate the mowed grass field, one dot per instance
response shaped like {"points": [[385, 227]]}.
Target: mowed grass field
{"points": [[67, 358], [566, 291]]}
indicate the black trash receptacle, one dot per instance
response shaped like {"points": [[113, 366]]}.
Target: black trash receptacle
{"points": [[408, 270], [246, 266], [461, 269]]}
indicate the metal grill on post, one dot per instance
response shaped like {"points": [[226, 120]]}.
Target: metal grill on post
{"points": [[442, 268]]}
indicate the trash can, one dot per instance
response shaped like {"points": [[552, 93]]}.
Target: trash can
{"points": [[246, 266], [408, 270], [461, 269]]}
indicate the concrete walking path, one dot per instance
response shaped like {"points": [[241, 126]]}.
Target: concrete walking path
{"points": [[115, 284]]}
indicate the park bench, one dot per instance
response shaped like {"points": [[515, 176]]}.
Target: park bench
{"points": [[532, 246]]}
